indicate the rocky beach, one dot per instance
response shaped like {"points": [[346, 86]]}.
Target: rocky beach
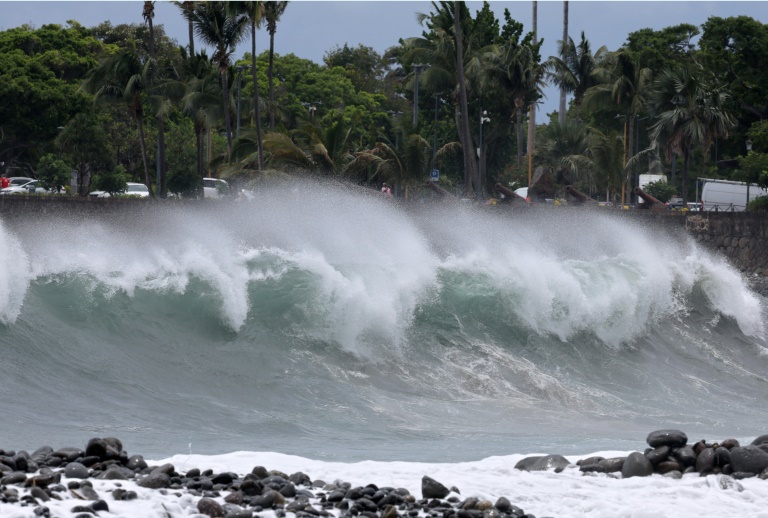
{"points": [[103, 479]]}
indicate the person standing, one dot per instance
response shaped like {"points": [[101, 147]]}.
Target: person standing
{"points": [[385, 190], [4, 182]]}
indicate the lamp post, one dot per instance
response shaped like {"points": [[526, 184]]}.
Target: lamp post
{"points": [[417, 67], [749, 148], [483, 119], [434, 143], [239, 69]]}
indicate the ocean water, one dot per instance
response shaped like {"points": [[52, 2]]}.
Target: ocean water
{"points": [[343, 328]]}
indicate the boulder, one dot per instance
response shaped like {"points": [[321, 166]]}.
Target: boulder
{"points": [[636, 465], [750, 459], [671, 438], [543, 463], [431, 488]]}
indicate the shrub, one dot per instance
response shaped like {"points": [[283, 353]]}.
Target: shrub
{"points": [[661, 190]]}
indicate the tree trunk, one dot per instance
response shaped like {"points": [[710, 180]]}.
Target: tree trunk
{"points": [[532, 117], [470, 171], [161, 156], [686, 163], [519, 131], [225, 100], [271, 82], [561, 114], [630, 179], [140, 125], [200, 151], [256, 108], [191, 40]]}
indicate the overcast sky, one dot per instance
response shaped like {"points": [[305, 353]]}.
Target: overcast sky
{"points": [[311, 28]]}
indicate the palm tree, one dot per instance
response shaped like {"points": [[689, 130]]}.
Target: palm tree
{"points": [[563, 91], [439, 51], [254, 10], [515, 69], [564, 148], [606, 153], [217, 25], [623, 84], [573, 72], [273, 11], [162, 107], [122, 78], [690, 112], [187, 8], [532, 117], [201, 101], [405, 164], [469, 162]]}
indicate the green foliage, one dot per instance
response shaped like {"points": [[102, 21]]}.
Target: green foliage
{"points": [[661, 190], [664, 48], [52, 172], [758, 134], [753, 168], [759, 204], [114, 182]]}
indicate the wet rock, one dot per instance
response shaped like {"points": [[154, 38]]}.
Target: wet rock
{"points": [[76, 470], [705, 462], [431, 488], [543, 463], [636, 465], [210, 507], [658, 455], [750, 459], [671, 438]]}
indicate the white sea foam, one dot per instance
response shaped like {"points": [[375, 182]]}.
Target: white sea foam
{"points": [[569, 494], [14, 276]]}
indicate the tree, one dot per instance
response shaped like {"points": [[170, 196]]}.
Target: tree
{"points": [[661, 190], [148, 14], [202, 103], [217, 25], [405, 164], [623, 84], [564, 148], [115, 182], [665, 48], [86, 146], [563, 91], [52, 172], [690, 112], [273, 11], [573, 72], [469, 163], [122, 78], [255, 10]]}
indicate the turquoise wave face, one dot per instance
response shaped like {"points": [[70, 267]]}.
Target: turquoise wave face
{"points": [[342, 326]]}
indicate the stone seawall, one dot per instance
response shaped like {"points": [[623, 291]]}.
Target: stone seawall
{"points": [[740, 236]]}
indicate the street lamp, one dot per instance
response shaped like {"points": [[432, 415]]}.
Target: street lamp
{"points": [[311, 109], [483, 119], [749, 148], [239, 69], [417, 67]]}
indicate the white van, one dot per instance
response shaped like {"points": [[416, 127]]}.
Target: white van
{"points": [[214, 188], [725, 195]]}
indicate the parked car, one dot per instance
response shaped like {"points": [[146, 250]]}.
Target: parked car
{"points": [[696, 207], [215, 188], [19, 180], [132, 189], [30, 187]]}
